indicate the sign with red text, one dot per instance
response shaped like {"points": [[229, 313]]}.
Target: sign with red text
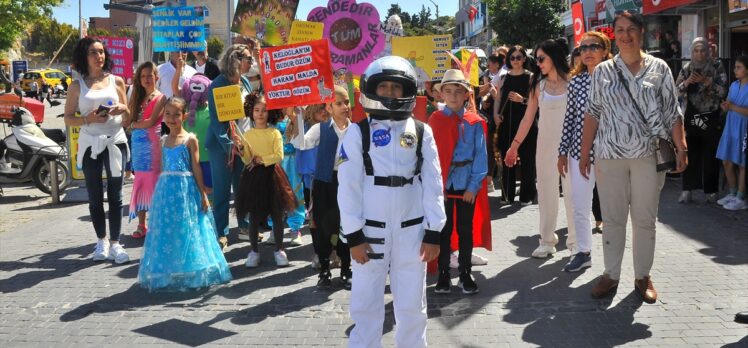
{"points": [[354, 31], [296, 75], [120, 51], [577, 15]]}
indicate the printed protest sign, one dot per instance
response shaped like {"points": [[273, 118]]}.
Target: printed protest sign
{"points": [[427, 54], [179, 28], [302, 31], [269, 21], [296, 75], [354, 31], [121, 52], [229, 103]]}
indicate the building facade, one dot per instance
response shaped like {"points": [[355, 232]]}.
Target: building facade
{"points": [[473, 25]]}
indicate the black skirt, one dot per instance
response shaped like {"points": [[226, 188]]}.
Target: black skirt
{"points": [[263, 190]]}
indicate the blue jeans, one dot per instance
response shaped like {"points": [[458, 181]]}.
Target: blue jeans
{"points": [[224, 178], [92, 169]]}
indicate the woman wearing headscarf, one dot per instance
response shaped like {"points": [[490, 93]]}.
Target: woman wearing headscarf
{"points": [[702, 84]]}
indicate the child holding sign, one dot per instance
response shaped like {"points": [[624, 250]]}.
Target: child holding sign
{"points": [[263, 189], [328, 136]]}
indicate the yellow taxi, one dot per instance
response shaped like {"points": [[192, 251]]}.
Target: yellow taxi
{"points": [[52, 76]]}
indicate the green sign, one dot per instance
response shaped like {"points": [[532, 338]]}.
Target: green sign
{"points": [[613, 6]]}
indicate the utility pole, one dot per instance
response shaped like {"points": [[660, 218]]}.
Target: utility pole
{"points": [[437, 8], [80, 21]]}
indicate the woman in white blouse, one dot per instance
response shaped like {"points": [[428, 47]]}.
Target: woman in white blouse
{"points": [[102, 145], [623, 127]]}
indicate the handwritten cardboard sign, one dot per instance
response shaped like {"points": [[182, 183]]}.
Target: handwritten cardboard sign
{"points": [[269, 20], [302, 31], [427, 54], [121, 52], [229, 104], [297, 74]]}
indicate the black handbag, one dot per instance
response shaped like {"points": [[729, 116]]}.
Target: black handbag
{"points": [[664, 149]]}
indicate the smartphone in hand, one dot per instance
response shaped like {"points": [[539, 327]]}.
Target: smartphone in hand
{"points": [[103, 110]]}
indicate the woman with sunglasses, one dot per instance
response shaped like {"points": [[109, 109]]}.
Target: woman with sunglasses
{"points": [[548, 91], [632, 101], [226, 166], [593, 49], [509, 107]]}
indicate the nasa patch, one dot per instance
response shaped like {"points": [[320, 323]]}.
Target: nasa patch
{"points": [[381, 137], [408, 140]]}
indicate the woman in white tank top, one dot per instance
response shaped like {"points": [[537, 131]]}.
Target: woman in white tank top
{"points": [[548, 93], [102, 145]]}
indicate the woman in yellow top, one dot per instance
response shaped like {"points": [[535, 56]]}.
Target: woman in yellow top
{"points": [[263, 189]]}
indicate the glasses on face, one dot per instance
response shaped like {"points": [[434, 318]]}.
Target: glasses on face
{"points": [[95, 52], [594, 47], [516, 58], [541, 59]]}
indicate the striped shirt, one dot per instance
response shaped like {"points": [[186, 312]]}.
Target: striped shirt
{"points": [[621, 132], [571, 139]]}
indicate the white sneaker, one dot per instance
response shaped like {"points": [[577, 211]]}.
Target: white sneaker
{"points": [[726, 199], [477, 260], [685, 197], [315, 262], [281, 260], [543, 251], [253, 260], [271, 239], [736, 204], [295, 238], [101, 252], [118, 254]]}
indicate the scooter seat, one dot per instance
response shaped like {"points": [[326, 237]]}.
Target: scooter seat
{"points": [[55, 134]]}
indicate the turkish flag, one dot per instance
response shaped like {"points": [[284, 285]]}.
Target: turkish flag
{"points": [[472, 12], [577, 15], [654, 6]]}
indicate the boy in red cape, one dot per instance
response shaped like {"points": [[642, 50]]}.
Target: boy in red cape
{"points": [[460, 136]]}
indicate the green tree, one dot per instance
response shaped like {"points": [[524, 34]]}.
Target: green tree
{"points": [[424, 16], [47, 36], [215, 47], [525, 22], [18, 15], [99, 32]]}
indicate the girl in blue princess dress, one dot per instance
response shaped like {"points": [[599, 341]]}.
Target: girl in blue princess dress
{"points": [[181, 251]]}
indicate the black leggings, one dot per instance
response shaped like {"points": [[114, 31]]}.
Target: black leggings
{"points": [[92, 169], [326, 215]]}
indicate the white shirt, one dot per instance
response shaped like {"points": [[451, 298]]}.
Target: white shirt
{"points": [[310, 139], [200, 68], [166, 74]]}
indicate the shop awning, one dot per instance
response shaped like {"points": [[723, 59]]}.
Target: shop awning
{"points": [[656, 6]]}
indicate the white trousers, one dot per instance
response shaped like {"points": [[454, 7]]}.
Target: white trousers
{"points": [[581, 200], [546, 159], [407, 275]]}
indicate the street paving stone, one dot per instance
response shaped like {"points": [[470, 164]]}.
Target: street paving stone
{"points": [[53, 294]]}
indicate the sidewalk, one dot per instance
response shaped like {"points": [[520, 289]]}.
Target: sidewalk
{"points": [[52, 293]]}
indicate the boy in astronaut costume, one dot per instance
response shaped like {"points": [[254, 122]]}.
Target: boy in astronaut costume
{"points": [[391, 205]]}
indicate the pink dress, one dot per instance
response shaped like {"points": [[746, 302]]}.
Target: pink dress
{"points": [[146, 161]]}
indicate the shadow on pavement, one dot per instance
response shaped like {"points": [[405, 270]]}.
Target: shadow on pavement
{"points": [[742, 343], [53, 265], [722, 230], [184, 332]]}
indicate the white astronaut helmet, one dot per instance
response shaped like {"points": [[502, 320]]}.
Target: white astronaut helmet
{"points": [[390, 68]]}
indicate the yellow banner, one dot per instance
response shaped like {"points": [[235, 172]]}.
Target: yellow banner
{"points": [[74, 133], [427, 54], [303, 31], [474, 69], [229, 103]]}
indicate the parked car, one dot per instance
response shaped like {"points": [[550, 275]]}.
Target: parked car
{"points": [[52, 76]]}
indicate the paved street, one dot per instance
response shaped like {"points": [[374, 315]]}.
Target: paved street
{"points": [[52, 294]]}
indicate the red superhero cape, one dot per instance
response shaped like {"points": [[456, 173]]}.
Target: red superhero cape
{"points": [[446, 135]]}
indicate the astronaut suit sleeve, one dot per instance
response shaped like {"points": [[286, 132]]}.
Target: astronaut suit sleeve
{"points": [[351, 187]]}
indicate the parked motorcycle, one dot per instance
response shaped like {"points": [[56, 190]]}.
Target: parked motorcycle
{"points": [[25, 155], [59, 92]]}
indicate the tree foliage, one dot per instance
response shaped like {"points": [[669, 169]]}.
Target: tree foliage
{"points": [[420, 23], [134, 35], [47, 36], [525, 22], [18, 15], [215, 47]]}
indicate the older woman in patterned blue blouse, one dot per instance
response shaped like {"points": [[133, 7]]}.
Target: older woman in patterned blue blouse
{"points": [[623, 126], [594, 48]]}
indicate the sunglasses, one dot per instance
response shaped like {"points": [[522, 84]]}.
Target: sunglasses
{"points": [[540, 59], [516, 58], [591, 47]]}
